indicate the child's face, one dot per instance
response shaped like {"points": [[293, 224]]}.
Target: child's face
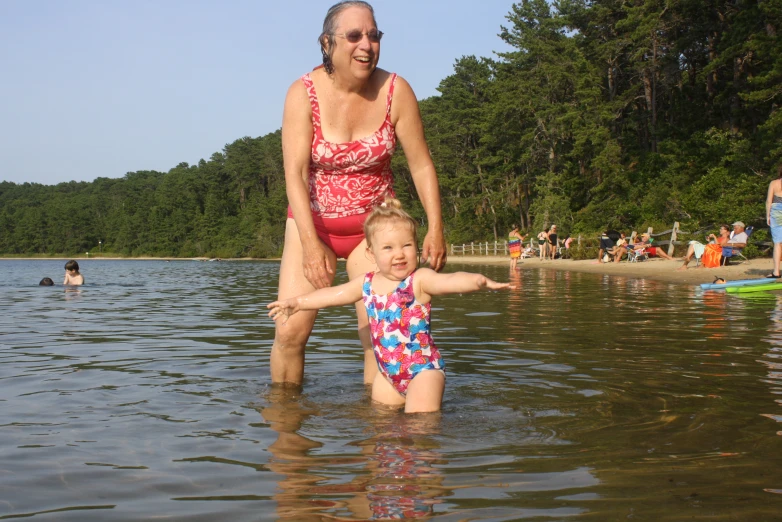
{"points": [[394, 250]]}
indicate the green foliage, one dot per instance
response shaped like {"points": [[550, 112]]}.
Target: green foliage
{"points": [[230, 206]]}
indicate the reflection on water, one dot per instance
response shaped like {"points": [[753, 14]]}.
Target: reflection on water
{"points": [[145, 394]]}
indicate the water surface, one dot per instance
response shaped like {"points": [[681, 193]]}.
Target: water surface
{"points": [[145, 394]]}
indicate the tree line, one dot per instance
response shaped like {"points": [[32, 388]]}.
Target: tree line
{"points": [[605, 114]]}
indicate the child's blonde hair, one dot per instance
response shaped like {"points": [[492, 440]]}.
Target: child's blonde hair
{"points": [[390, 211]]}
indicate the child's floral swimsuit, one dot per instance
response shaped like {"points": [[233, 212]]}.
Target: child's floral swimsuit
{"points": [[401, 338]]}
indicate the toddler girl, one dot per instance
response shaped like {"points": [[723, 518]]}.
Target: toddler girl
{"points": [[398, 301]]}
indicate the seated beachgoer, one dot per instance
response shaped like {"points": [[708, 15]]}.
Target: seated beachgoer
{"points": [[653, 251], [710, 254], [607, 241], [619, 249]]}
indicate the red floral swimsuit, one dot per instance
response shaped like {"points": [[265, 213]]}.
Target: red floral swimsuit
{"points": [[348, 179]]}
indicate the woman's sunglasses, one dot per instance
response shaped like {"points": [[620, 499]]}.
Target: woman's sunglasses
{"points": [[355, 36]]}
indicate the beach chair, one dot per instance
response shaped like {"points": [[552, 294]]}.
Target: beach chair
{"points": [[729, 252], [636, 255]]}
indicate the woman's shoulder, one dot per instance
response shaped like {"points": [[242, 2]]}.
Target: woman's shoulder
{"points": [[297, 89]]}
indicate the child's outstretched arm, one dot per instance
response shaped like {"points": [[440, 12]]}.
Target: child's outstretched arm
{"points": [[456, 283], [340, 295]]}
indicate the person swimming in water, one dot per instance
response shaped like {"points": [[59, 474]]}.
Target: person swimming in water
{"points": [[72, 275]]}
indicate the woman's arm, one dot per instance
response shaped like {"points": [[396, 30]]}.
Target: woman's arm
{"points": [[409, 128], [296, 153], [348, 293], [769, 199]]}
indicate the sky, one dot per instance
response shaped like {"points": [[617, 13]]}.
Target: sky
{"points": [[95, 88]]}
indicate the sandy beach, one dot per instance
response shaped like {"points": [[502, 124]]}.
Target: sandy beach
{"points": [[657, 269]]}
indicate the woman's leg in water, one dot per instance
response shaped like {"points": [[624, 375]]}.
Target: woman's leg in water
{"points": [[287, 355]]}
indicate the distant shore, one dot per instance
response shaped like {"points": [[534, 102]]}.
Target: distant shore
{"points": [[657, 269]]}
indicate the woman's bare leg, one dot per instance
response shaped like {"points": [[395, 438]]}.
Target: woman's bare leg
{"points": [[359, 264], [777, 257], [287, 355]]}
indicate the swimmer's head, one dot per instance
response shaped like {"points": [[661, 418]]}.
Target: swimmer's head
{"points": [[72, 265], [388, 213], [330, 24], [46, 281]]}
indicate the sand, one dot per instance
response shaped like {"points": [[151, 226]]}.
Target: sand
{"points": [[657, 269]]}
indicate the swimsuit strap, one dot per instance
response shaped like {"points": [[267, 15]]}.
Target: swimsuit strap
{"points": [[313, 96], [390, 94]]}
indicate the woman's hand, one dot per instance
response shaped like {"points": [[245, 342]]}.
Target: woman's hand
{"points": [[434, 251], [317, 266]]}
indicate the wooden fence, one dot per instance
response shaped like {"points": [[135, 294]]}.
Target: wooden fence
{"points": [[500, 248]]}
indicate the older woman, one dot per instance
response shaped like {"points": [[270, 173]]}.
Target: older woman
{"points": [[340, 127], [553, 243], [711, 252]]}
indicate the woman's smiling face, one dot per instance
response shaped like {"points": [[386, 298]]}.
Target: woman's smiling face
{"points": [[359, 58]]}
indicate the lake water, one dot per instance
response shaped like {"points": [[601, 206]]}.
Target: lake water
{"points": [[145, 395]]}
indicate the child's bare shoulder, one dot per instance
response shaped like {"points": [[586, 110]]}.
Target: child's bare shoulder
{"points": [[424, 273]]}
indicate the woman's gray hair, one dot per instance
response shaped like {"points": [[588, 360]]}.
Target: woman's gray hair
{"points": [[326, 38]]}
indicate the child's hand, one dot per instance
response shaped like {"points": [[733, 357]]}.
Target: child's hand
{"points": [[489, 284], [283, 309]]}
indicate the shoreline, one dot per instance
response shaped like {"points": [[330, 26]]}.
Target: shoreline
{"points": [[655, 269]]}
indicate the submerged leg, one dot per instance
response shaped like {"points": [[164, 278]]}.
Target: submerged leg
{"points": [[425, 392]]}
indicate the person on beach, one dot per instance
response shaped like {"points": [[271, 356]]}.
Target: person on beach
{"points": [[619, 249], [608, 241], [397, 297], [340, 127], [515, 240], [543, 244], [72, 275], [653, 251], [553, 244], [710, 254], [774, 219]]}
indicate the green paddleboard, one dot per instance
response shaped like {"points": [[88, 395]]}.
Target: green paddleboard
{"points": [[754, 288]]}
